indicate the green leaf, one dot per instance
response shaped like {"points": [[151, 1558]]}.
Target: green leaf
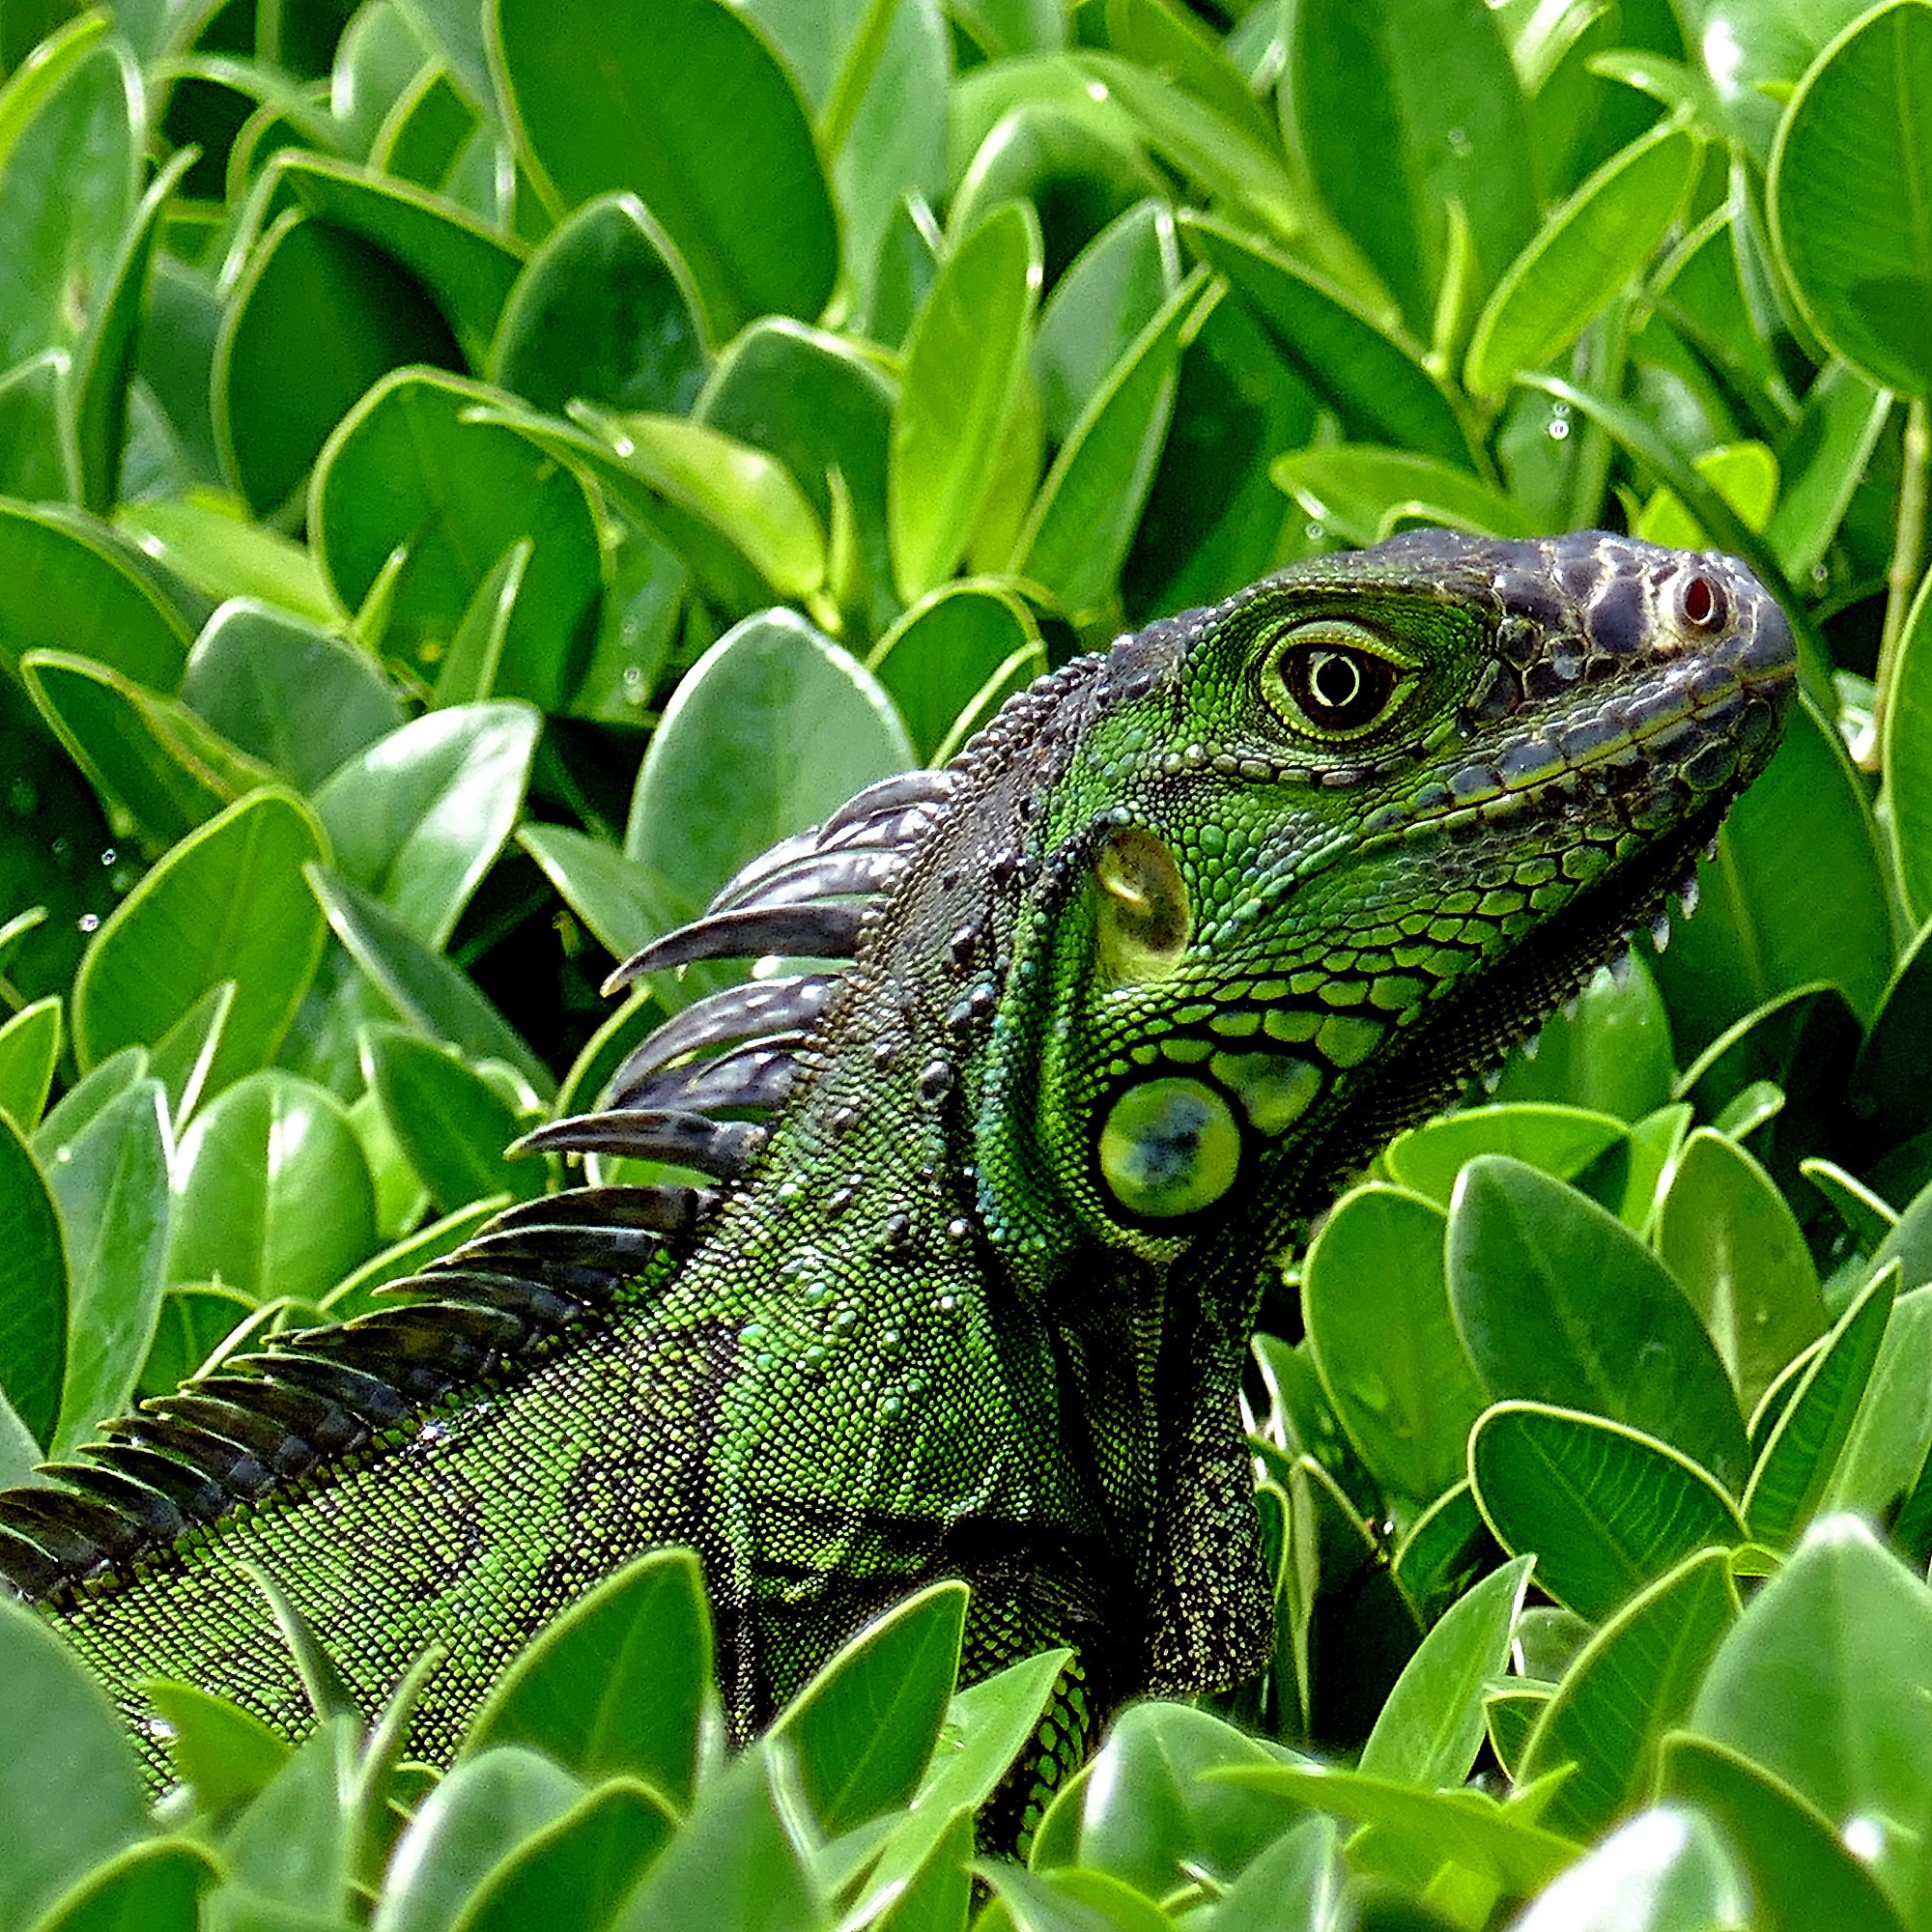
{"points": [[68, 1119], [1103, 300], [1432, 1726], [1800, 836], [573, 1873], [433, 996], [1377, 382], [1801, 1875], [418, 817], [1732, 1242], [1848, 184], [1076, 535], [1446, 1548], [1558, 1301], [1583, 255], [70, 139], [1071, 1900], [492, 1799], [466, 268], [1560, 1141], [604, 311], [818, 404], [865, 1727], [208, 541], [410, 466], [1611, 1056], [70, 1786], [1466, 1828], [1293, 1886], [150, 756], [1869, 1218], [274, 405], [1909, 1243], [964, 364], [67, 586], [613, 1686], [152, 1887], [745, 496], [40, 456], [1885, 1092], [1890, 1437], [1904, 757], [624, 906], [294, 1844], [1795, 1047], [1375, 1304], [451, 1123], [1665, 1872], [770, 731], [1634, 1678], [985, 1727], [936, 1895], [1824, 458], [954, 659], [1364, 491], [275, 1196], [469, 672], [104, 366], [753, 219], [183, 1054], [1237, 160], [286, 692], [33, 1289], [1401, 109], [733, 1863], [29, 1045], [1151, 1811], [1795, 1467], [221, 1752], [115, 1207], [1605, 1510], [227, 903]]}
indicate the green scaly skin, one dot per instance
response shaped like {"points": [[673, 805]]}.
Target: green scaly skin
{"points": [[1188, 932]]}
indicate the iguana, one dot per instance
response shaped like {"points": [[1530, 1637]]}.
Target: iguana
{"points": [[986, 1197]]}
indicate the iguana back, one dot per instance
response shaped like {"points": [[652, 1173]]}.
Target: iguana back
{"points": [[967, 1282]]}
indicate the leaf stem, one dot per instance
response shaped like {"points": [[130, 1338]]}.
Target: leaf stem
{"points": [[1902, 574]]}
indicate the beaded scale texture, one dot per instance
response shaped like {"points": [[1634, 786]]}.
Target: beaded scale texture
{"points": [[983, 1202]]}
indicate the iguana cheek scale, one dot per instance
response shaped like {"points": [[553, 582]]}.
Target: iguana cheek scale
{"points": [[965, 1272]]}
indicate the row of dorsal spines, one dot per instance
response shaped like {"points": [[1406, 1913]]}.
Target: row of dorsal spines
{"points": [[695, 1094]]}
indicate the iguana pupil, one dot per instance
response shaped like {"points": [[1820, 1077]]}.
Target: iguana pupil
{"points": [[964, 1280], [1342, 690]]}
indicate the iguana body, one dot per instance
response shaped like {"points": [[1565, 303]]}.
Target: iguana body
{"points": [[1184, 934]]}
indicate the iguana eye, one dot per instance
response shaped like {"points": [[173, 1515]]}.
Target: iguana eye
{"points": [[1332, 687]]}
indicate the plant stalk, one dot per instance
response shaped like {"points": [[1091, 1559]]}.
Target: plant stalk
{"points": [[1902, 574]]}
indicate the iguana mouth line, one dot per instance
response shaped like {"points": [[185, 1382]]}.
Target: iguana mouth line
{"points": [[1661, 706]]}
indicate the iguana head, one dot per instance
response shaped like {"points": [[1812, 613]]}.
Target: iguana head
{"points": [[1315, 855]]}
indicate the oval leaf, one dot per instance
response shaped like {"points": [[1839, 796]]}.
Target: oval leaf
{"points": [[1558, 1301], [229, 902], [1604, 1510]]}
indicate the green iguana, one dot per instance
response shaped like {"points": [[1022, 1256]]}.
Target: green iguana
{"points": [[967, 1287]]}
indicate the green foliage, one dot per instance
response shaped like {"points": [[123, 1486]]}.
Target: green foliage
{"points": [[471, 475]]}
